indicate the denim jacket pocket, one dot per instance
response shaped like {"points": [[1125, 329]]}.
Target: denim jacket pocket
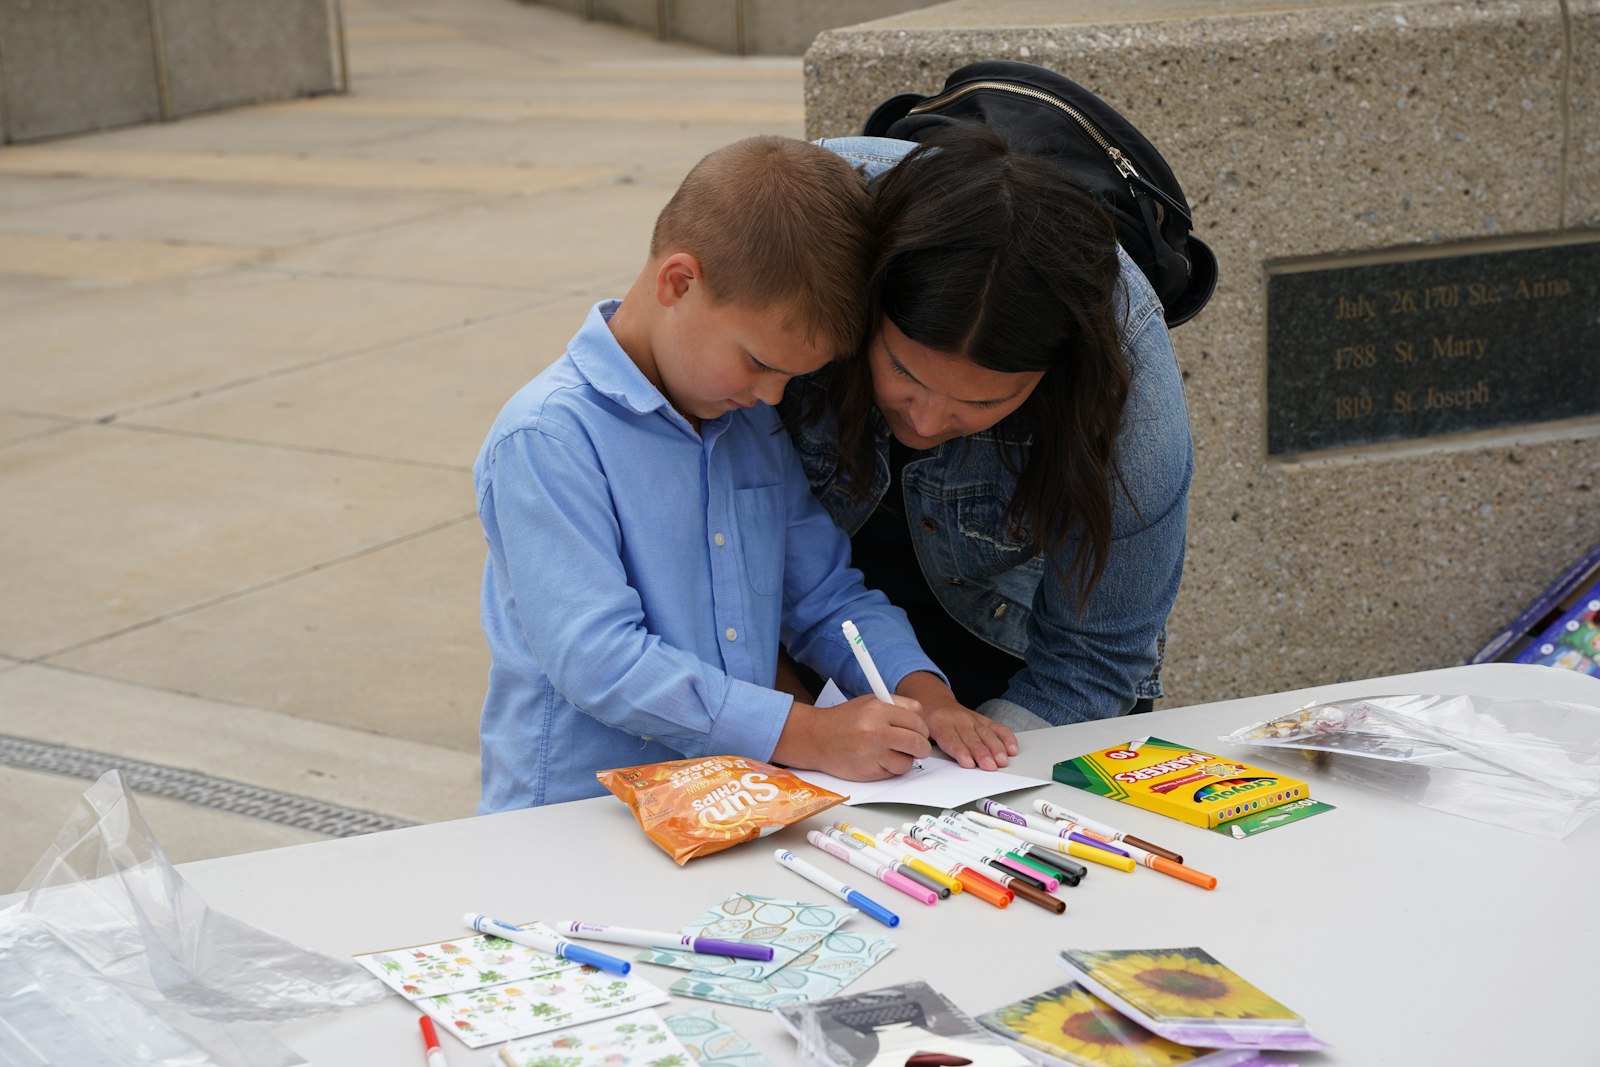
{"points": [[759, 513], [989, 541]]}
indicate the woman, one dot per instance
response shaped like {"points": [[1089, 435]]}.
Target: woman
{"points": [[1011, 454]]}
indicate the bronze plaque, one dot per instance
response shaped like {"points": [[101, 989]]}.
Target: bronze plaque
{"points": [[1392, 351]]}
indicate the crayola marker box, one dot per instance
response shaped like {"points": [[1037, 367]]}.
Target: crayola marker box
{"points": [[1180, 782]]}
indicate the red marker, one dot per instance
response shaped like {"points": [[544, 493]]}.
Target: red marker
{"points": [[430, 1037]]}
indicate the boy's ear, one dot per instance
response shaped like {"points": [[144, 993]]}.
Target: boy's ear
{"points": [[675, 276]]}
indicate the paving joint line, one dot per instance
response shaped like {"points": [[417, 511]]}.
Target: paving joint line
{"points": [[201, 790], [259, 586]]}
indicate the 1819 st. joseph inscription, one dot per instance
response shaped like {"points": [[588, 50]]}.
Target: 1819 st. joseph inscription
{"points": [[1390, 351]]}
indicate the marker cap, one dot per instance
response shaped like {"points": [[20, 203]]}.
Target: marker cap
{"points": [[579, 954], [873, 908], [738, 949]]}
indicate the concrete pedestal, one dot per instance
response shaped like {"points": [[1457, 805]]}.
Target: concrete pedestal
{"points": [[1331, 134]]}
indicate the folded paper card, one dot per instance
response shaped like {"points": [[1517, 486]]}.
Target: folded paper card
{"points": [[1068, 1026], [1187, 996]]}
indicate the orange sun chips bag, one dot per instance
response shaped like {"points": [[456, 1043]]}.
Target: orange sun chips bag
{"points": [[694, 807]]}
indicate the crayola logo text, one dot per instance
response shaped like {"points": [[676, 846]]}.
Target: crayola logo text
{"points": [[724, 803], [1220, 791]]}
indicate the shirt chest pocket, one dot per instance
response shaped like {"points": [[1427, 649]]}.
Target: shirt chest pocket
{"points": [[759, 513]]}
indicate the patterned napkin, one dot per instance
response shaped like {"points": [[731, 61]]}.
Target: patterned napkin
{"points": [[812, 958]]}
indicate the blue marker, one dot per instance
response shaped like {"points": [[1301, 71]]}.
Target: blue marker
{"points": [[836, 887], [555, 946]]}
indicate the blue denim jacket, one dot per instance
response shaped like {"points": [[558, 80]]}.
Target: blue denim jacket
{"points": [[1078, 665]]}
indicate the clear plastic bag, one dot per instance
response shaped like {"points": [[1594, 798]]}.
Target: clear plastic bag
{"points": [[1531, 765], [111, 960]]}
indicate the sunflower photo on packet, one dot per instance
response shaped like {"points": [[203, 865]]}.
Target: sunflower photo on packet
{"points": [[695, 807]]}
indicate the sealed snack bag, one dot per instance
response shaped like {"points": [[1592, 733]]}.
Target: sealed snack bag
{"points": [[694, 807]]}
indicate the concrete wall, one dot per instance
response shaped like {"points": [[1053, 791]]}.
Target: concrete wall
{"points": [[73, 65], [744, 27], [1321, 131]]}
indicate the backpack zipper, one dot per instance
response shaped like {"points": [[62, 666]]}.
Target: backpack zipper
{"points": [[1121, 162]]}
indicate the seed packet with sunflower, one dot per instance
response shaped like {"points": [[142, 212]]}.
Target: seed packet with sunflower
{"points": [[1187, 996], [1068, 1026]]}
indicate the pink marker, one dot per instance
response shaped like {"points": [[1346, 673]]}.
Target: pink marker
{"points": [[861, 862]]}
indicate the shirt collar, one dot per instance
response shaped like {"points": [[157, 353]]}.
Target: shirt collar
{"points": [[611, 373], [607, 368]]}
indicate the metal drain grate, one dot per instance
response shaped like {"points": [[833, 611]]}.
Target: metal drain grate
{"points": [[218, 794]]}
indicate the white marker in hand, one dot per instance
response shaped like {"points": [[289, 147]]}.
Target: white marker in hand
{"points": [[852, 637]]}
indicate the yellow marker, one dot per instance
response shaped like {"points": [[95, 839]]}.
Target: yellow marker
{"points": [[1096, 855], [1055, 844], [899, 853]]}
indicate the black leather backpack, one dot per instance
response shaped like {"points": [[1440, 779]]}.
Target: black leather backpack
{"points": [[1049, 115]]}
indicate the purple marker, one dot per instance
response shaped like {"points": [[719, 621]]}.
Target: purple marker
{"points": [[622, 935], [1050, 826]]}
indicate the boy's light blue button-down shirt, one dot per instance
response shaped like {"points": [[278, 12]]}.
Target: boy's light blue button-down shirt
{"points": [[640, 576]]}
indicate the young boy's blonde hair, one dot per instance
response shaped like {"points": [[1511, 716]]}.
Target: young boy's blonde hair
{"points": [[778, 222]]}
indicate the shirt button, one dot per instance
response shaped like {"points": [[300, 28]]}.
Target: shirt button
{"points": [[731, 634], [720, 540], [930, 526], [999, 611]]}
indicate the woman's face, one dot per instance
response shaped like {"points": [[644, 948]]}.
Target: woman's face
{"points": [[929, 397]]}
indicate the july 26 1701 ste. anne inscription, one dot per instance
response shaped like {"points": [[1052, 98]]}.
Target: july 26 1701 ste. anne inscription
{"points": [[1390, 351]]}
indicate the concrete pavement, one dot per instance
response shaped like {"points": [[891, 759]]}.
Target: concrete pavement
{"points": [[246, 361]]}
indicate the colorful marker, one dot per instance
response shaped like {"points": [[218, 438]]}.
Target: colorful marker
{"points": [[1017, 884], [970, 875], [910, 861], [979, 853], [1004, 849], [857, 839], [430, 1041], [623, 935], [1050, 841], [1110, 833], [555, 946], [1067, 831], [882, 872], [1166, 866], [837, 888]]}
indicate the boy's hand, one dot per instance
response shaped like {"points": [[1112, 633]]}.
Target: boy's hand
{"points": [[972, 740], [862, 740]]}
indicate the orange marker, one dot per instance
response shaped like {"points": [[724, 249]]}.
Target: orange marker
{"points": [[979, 885], [1166, 866]]}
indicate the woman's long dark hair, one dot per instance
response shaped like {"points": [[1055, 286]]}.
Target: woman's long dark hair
{"points": [[999, 256]]}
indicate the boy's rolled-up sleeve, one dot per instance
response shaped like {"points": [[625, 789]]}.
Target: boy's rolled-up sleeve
{"points": [[555, 548]]}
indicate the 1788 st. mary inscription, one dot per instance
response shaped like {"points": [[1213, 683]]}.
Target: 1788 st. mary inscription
{"points": [[1389, 351]]}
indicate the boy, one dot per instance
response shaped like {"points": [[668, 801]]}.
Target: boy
{"points": [[651, 534]]}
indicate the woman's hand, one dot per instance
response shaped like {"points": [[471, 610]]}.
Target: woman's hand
{"points": [[972, 740], [861, 740]]}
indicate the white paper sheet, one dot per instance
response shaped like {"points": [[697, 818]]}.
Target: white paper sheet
{"points": [[935, 782]]}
